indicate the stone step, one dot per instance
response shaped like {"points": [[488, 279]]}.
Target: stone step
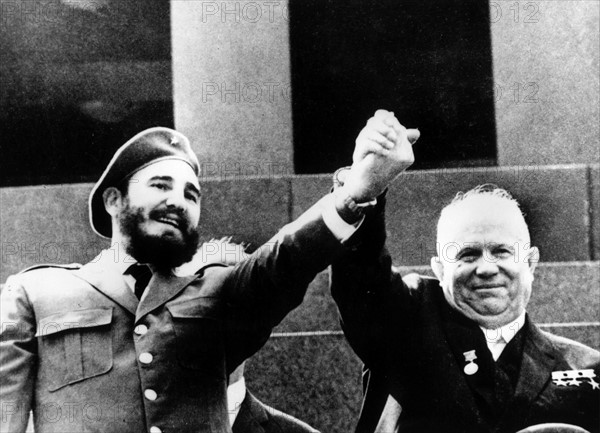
{"points": [[565, 301], [49, 223], [561, 205]]}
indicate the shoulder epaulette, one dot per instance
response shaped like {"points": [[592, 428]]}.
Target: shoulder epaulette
{"points": [[70, 267], [211, 265]]}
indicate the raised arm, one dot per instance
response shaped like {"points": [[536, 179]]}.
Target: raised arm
{"points": [[371, 296], [271, 282]]}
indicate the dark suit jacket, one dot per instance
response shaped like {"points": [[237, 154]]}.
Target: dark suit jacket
{"points": [[256, 417], [412, 343], [71, 340]]}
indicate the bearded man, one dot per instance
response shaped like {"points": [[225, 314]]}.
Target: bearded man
{"points": [[122, 344]]}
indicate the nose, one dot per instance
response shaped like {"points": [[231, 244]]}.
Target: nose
{"points": [[486, 267], [176, 199]]}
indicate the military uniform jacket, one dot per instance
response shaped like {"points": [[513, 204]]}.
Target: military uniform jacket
{"points": [[78, 349], [413, 344], [256, 417]]}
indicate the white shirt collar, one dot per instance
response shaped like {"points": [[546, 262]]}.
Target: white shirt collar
{"points": [[236, 392], [504, 333], [498, 338]]}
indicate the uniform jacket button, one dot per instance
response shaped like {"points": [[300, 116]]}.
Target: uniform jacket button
{"points": [[145, 358], [155, 429], [140, 329], [150, 394]]}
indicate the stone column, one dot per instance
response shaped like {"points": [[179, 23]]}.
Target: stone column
{"points": [[546, 81], [231, 84]]}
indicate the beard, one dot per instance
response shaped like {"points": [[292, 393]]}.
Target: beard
{"points": [[162, 252]]}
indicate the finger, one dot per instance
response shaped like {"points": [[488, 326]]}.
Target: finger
{"points": [[413, 135], [379, 125], [382, 139], [370, 146], [382, 114], [393, 122], [386, 117]]}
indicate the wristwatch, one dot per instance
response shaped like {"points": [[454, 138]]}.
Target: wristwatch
{"points": [[348, 209]]}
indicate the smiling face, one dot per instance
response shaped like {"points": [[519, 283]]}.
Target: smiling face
{"points": [[157, 219], [485, 263], [168, 193]]}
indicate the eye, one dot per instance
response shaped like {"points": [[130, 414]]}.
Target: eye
{"points": [[192, 196], [159, 185], [468, 255], [503, 252]]}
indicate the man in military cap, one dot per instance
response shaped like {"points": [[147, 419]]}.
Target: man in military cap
{"points": [[122, 344]]}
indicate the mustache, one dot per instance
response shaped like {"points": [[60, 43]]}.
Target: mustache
{"points": [[178, 214]]}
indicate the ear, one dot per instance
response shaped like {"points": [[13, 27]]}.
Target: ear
{"points": [[437, 267], [533, 258], [113, 200]]}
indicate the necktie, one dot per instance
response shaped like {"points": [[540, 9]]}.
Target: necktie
{"points": [[142, 275]]}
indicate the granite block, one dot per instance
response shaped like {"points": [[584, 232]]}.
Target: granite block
{"points": [[316, 379], [589, 335], [250, 210], [566, 292], [545, 57], [317, 312], [554, 200], [234, 101], [308, 189], [45, 224]]}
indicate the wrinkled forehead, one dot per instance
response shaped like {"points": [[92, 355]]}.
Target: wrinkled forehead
{"points": [[476, 217]]}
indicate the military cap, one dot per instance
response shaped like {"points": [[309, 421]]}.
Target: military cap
{"points": [[147, 147]]}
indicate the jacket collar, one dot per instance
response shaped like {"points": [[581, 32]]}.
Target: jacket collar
{"points": [[161, 288], [540, 358], [252, 416], [106, 276]]}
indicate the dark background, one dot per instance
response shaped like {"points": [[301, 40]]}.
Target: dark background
{"points": [[428, 61], [64, 106]]}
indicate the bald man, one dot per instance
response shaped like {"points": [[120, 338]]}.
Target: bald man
{"points": [[458, 353]]}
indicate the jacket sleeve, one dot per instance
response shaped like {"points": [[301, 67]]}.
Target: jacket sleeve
{"points": [[373, 301], [261, 290], [18, 357]]}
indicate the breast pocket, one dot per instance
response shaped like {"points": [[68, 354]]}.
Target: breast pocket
{"points": [[199, 337], [74, 346]]}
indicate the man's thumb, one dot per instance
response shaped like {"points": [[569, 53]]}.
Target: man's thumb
{"points": [[412, 135]]}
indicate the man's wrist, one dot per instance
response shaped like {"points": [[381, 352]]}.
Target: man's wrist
{"points": [[347, 208]]}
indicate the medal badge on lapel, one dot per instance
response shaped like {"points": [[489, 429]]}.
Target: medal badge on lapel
{"points": [[471, 368], [575, 378]]}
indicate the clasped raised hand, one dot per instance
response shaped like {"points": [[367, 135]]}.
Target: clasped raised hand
{"points": [[383, 150]]}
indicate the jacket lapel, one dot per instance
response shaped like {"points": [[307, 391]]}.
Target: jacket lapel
{"points": [[251, 416], [161, 289], [462, 336], [102, 274], [538, 362]]}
